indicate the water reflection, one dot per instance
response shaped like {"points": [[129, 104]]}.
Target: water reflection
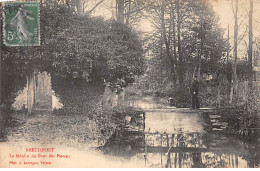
{"points": [[174, 140], [193, 160]]}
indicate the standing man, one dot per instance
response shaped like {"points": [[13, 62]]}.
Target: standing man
{"points": [[194, 90]]}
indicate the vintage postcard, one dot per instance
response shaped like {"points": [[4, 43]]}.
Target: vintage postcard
{"points": [[130, 84]]}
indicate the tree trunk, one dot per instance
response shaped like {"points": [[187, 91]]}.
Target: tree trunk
{"points": [[181, 67], [228, 46], [30, 91], [35, 83], [174, 44], [166, 41], [120, 10], [218, 89], [234, 68], [68, 4], [128, 13], [161, 59], [250, 50], [202, 34], [79, 7]]}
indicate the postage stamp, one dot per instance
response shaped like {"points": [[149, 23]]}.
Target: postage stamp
{"points": [[21, 24]]}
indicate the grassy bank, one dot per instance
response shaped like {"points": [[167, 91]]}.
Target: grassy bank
{"points": [[238, 120], [77, 130]]}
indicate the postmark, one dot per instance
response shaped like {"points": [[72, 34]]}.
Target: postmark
{"points": [[21, 24]]}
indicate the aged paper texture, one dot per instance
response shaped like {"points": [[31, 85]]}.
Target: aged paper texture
{"points": [[130, 84]]}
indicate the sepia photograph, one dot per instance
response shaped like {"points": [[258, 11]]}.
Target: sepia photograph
{"points": [[130, 84]]}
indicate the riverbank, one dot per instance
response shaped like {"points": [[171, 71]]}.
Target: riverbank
{"points": [[242, 120], [46, 127], [232, 121], [73, 135], [77, 130]]}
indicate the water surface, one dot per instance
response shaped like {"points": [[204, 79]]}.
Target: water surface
{"points": [[178, 140]]}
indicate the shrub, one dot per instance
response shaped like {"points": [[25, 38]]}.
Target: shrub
{"points": [[116, 116], [182, 97], [77, 95]]}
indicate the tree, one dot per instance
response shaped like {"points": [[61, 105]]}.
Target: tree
{"points": [[79, 7], [180, 53], [75, 7], [234, 66], [187, 40], [79, 48], [120, 10], [167, 40], [250, 50], [129, 11]]}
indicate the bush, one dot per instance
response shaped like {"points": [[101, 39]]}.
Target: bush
{"points": [[251, 115], [115, 116], [243, 118], [81, 99], [77, 96], [182, 97]]}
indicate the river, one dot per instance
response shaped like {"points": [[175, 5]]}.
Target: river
{"points": [[176, 138]]}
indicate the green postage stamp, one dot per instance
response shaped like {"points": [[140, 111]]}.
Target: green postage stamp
{"points": [[21, 24]]}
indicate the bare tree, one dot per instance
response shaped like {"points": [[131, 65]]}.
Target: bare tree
{"points": [[167, 39], [174, 41], [201, 44], [250, 50], [180, 68], [234, 67]]}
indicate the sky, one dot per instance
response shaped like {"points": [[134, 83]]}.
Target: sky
{"points": [[223, 9]]}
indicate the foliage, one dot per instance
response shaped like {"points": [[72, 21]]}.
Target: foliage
{"points": [[89, 47], [82, 98], [95, 50], [243, 118], [240, 121], [78, 96], [182, 97], [12, 80], [199, 34], [75, 47], [112, 119], [249, 121]]}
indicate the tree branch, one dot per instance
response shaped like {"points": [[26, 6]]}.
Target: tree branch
{"points": [[243, 20], [140, 9], [90, 11], [241, 38]]}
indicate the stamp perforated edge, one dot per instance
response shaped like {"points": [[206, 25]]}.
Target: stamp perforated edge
{"points": [[39, 24]]}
